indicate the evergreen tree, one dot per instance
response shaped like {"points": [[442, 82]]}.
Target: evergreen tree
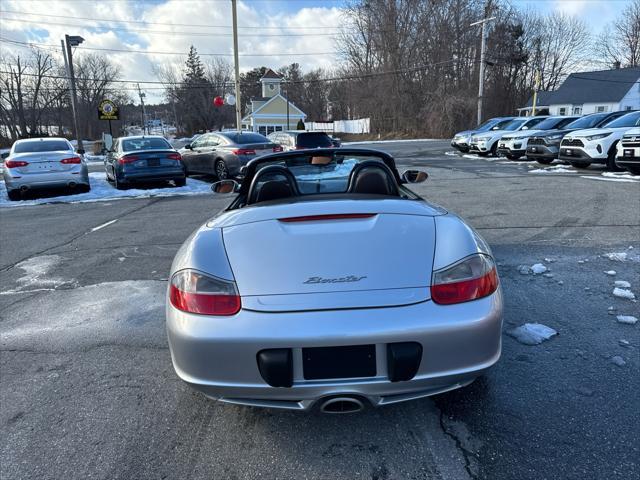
{"points": [[195, 70], [300, 125]]}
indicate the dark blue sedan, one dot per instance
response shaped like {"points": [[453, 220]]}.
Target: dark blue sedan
{"points": [[142, 159]]}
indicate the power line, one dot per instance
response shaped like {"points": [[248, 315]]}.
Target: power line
{"points": [[122, 50], [110, 20], [169, 32]]}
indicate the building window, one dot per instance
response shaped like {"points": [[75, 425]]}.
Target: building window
{"points": [[278, 128], [601, 108], [627, 108], [262, 130], [562, 111], [577, 110]]}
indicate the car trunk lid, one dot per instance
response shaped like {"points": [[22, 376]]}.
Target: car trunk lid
{"points": [[44, 162], [345, 260]]}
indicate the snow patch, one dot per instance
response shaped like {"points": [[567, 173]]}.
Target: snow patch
{"points": [[604, 179], [622, 284], [622, 293], [101, 191], [532, 333], [35, 274], [618, 360], [611, 273], [627, 319], [554, 169], [620, 175], [616, 256], [538, 268]]}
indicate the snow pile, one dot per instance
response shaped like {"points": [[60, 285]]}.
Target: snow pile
{"points": [[538, 268], [605, 179], [623, 293], [611, 273], [620, 175], [627, 319], [616, 256], [554, 169], [622, 284], [93, 158], [525, 270], [532, 333], [618, 360], [101, 190]]}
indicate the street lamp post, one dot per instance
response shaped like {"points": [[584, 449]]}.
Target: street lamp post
{"points": [[73, 41], [483, 48]]}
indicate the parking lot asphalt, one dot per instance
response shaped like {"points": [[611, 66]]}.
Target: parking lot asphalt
{"points": [[87, 389]]}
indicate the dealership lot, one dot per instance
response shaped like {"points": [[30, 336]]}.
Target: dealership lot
{"points": [[88, 389]]}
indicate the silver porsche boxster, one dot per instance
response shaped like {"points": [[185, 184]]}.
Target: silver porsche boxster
{"points": [[328, 284]]}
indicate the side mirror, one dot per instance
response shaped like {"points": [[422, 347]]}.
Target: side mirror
{"points": [[414, 176], [81, 151], [188, 146], [225, 187]]}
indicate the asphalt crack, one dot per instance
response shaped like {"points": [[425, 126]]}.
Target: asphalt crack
{"points": [[465, 452]]}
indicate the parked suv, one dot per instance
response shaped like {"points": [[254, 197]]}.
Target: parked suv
{"points": [[462, 140], [597, 145], [513, 146], [301, 139], [544, 147], [487, 142], [628, 154]]}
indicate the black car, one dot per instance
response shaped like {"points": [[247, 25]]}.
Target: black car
{"points": [[544, 147], [143, 159], [301, 140], [224, 153]]}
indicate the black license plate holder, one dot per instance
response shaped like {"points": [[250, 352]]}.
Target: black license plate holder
{"points": [[354, 361], [153, 162]]}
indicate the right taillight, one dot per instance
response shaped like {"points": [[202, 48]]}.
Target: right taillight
{"points": [[469, 279], [195, 292]]}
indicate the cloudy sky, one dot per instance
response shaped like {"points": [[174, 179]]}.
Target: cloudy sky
{"points": [[272, 32]]}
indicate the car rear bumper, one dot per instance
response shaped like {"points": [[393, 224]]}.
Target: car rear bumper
{"points": [[547, 152], [76, 176], [218, 355], [152, 176]]}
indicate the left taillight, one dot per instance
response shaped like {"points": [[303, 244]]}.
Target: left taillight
{"points": [[277, 148], [71, 160], [15, 163], [469, 279], [174, 156], [243, 151], [195, 292]]}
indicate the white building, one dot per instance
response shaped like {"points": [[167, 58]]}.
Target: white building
{"points": [[591, 92]]}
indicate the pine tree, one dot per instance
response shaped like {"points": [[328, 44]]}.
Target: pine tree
{"points": [[300, 125], [195, 71]]}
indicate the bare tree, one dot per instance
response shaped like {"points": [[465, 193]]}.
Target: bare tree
{"points": [[619, 43]]}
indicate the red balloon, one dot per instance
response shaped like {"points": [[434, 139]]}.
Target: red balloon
{"points": [[218, 101]]}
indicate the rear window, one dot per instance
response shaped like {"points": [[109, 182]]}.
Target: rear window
{"points": [[313, 140], [243, 138], [42, 146], [131, 144]]}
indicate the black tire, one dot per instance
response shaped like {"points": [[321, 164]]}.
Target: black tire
{"points": [[482, 154], [580, 164], [221, 170], [512, 157], [494, 150], [611, 159], [545, 161], [14, 195], [180, 182], [119, 184], [83, 188], [634, 170]]}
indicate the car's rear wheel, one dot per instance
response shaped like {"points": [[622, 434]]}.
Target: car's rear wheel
{"points": [[580, 164], [545, 161], [14, 195], [611, 159], [494, 150], [180, 182], [221, 170], [120, 185]]}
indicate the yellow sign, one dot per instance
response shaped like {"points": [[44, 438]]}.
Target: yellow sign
{"points": [[107, 110]]}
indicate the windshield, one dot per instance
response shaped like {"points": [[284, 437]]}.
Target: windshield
{"points": [[513, 125], [244, 138], [130, 144], [588, 121], [322, 173], [629, 120], [532, 123], [42, 146], [551, 123], [313, 140]]}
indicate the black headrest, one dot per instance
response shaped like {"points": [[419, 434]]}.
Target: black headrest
{"points": [[372, 177], [273, 190]]}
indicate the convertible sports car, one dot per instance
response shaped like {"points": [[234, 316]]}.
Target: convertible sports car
{"points": [[328, 283]]}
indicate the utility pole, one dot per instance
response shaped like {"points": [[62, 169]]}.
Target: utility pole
{"points": [[73, 41], [236, 62], [536, 87], [483, 48], [144, 115]]}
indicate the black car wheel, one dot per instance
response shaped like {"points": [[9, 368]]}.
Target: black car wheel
{"points": [[611, 159], [180, 182], [221, 170], [545, 161], [119, 184], [14, 195], [580, 164], [494, 150]]}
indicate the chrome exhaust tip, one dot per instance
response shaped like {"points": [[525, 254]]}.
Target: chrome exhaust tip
{"points": [[342, 405]]}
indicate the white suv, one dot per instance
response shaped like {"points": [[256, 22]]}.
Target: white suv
{"points": [[514, 145], [628, 155], [487, 142], [596, 145]]}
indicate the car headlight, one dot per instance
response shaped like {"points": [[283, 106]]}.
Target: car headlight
{"points": [[598, 136], [482, 139], [555, 137]]}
